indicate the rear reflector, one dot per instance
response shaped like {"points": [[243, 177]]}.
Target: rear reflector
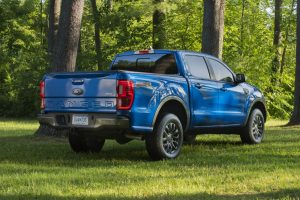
{"points": [[42, 89], [125, 94], [42, 94]]}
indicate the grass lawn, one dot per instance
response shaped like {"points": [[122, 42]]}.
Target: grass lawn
{"points": [[217, 167]]}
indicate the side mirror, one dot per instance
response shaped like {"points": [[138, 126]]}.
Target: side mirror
{"points": [[240, 78]]}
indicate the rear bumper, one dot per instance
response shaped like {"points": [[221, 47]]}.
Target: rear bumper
{"points": [[95, 121]]}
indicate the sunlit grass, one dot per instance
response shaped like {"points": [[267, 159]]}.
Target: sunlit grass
{"points": [[217, 167]]}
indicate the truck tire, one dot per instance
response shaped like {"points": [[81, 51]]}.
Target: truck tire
{"points": [[94, 144], [81, 143], [253, 132], [77, 142], [166, 140]]}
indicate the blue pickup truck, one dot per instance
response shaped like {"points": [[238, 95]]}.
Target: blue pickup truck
{"points": [[165, 97]]}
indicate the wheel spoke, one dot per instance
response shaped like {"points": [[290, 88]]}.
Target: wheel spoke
{"points": [[167, 129], [169, 147], [173, 146]]}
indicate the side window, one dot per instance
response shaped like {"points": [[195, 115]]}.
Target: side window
{"points": [[197, 66], [166, 65], [220, 71]]}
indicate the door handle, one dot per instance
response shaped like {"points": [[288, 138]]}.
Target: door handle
{"points": [[198, 85], [223, 89]]}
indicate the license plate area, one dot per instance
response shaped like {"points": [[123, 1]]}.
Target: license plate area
{"points": [[82, 120]]}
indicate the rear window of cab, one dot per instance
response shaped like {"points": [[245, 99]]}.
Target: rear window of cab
{"points": [[150, 63]]}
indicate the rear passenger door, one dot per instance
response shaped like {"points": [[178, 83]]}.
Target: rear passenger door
{"points": [[232, 97], [203, 92]]}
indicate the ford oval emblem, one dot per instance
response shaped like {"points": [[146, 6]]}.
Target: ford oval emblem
{"points": [[77, 91]]}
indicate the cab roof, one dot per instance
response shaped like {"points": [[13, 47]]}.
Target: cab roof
{"points": [[163, 51]]}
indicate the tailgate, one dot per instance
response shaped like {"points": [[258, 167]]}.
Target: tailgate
{"points": [[81, 92]]}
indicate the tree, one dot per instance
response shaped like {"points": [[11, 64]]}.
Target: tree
{"points": [[241, 51], [68, 35], [276, 41], [159, 30], [54, 12], [295, 119], [98, 43], [66, 46], [287, 35], [213, 27]]}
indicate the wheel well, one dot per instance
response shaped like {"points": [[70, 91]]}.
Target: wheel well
{"points": [[175, 108], [259, 105]]}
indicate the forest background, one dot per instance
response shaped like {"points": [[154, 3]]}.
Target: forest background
{"points": [[252, 43]]}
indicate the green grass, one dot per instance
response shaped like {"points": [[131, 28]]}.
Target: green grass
{"points": [[217, 167]]}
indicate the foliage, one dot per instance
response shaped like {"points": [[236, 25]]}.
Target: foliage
{"points": [[248, 44], [217, 167], [22, 57]]}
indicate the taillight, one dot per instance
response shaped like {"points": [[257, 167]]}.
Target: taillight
{"points": [[42, 94], [125, 94]]}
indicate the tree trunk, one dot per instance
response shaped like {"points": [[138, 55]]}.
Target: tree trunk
{"points": [[295, 119], [41, 22], [97, 39], [68, 35], [159, 30], [276, 41], [241, 51], [213, 27], [287, 32], [54, 12]]}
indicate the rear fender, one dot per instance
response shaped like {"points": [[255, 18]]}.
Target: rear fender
{"points": [[166, 100]]}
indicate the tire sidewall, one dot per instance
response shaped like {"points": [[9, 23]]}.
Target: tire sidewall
{"points": [[77, 141], [80, 142], [254, 113], [94, 144], [166, 119]]}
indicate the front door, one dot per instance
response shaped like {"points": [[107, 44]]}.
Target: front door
{"points": [[203, 92], [232, 97]]}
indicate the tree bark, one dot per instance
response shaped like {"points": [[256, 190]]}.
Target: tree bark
{"points": [[213, 27], [54, 12], [68, 35], [97, 38], [287, 32], [41, 22], [241, 51], [295, 119], [159, 30], [276, 41]]}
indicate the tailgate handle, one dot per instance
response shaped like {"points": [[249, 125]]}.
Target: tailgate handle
{"points": [[77, 81]]}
